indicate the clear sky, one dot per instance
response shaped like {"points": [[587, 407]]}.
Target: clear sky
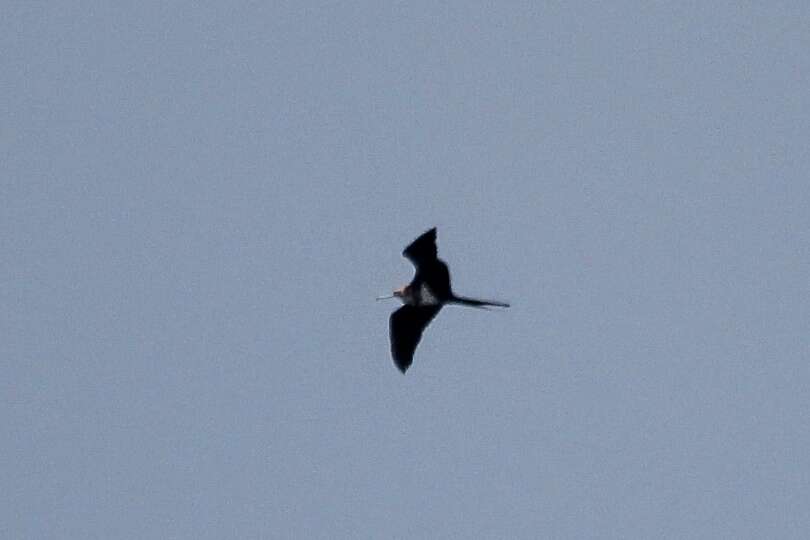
{"points": [[199, 202]]}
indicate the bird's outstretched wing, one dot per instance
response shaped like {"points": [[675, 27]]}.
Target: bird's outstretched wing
{"points": [[430, 269], [406, 327], [423, 249]]}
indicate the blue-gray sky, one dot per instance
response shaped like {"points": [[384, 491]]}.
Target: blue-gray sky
{"points": [[200, 200]]}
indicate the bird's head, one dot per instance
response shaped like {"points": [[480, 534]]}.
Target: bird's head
{"points": [[403, 293]]}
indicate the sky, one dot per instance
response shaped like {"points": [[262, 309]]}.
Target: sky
{"points": [[199, 202]]}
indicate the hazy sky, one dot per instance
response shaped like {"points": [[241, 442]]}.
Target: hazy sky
{"points": [[199, 202]]}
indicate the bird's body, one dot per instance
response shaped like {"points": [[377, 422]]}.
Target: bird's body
{"points": [[423, 298]]}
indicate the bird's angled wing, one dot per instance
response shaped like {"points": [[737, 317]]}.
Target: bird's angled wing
{"points": [[423, 249], [406, 327]]}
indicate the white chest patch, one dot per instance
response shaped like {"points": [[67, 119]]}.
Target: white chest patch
{"points": [[426, 296]]}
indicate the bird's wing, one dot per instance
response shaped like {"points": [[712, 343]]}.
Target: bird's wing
{"points": [[423, 249], [430, 269], [437, 277], [406, 327]]}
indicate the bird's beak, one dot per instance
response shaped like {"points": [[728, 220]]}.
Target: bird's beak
{"points": [[385, 297]]}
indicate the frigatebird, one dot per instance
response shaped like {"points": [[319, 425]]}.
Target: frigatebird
{"points": [[423, 298]]}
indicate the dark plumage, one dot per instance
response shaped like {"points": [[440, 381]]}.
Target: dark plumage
{"points": [[406, 326], [424, 297]]}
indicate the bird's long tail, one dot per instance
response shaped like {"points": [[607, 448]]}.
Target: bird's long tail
{"points": [[473, 302]]}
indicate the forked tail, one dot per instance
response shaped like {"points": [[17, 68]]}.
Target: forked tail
{"points": [[473, 302]]}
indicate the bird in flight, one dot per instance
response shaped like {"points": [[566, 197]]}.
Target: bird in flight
{"points": [[423, 298]]}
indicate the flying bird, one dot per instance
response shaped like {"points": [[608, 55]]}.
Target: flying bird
{"points": [[423, 298]]}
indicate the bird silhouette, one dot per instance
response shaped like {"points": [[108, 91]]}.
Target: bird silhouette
{"points": [[423, 298]]}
